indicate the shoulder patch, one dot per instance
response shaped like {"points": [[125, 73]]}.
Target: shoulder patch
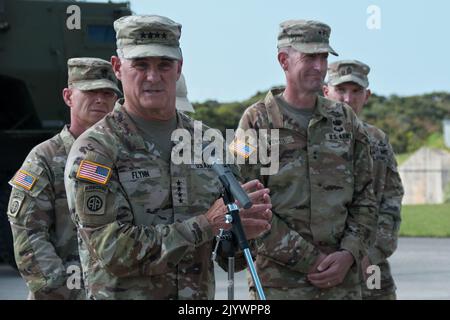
{"points": [[24, 179], [94, 172], [95, 199], [15, 203], [241, 148]]}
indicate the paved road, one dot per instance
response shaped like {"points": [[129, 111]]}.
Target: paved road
{"points": [[421, 268]]}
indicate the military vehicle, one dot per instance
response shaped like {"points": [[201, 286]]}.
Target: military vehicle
{"points": [[36, 39]]}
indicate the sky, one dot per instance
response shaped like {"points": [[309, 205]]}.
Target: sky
{"points": [[229, 46]]}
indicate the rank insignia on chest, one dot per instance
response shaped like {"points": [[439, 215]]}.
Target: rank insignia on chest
{"points": [[179, 192], [94, 172], [24, 179]]}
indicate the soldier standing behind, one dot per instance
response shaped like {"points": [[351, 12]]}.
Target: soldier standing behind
{"points": [[348, 83], [45, 239], [322, 196], [146, 223], [182, 101]]}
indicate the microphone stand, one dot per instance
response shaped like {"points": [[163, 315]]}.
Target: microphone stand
{"points": [[228, 240], [227, 247]]}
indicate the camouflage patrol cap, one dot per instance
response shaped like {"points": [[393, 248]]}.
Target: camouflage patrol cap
{"points": [[306, 36], [348, 71], [143, 36], [182, 101], [91, 74]]}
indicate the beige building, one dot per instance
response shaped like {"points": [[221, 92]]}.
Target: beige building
{"points": [[425, 175]]}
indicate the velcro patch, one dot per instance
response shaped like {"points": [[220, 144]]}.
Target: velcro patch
{"points": [[94, 172], [338, 136], [24, 179], [139, 174], [201, 166], [284, 140], [15, 203], [94, 200], [241, 148]]}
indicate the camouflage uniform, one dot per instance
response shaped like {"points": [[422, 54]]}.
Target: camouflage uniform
{"points": [[322, 197], [45, 242], [147, 237], [141, 217], [45, 238], [322, 194], [387, 184], [389, 192]]}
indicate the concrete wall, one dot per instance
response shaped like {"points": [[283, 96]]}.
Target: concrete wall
{"points": [[425, 175], [446, 125]]}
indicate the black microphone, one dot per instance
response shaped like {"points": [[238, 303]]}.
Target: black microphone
{"points": [[228, 179]]}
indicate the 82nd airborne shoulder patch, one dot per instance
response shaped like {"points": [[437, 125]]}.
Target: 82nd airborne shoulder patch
{"points": [[15, 203]]}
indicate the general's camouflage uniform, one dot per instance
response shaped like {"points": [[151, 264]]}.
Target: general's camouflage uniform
{"points": [[143, 231], [389, 192], [322, 197], [45, 238]]}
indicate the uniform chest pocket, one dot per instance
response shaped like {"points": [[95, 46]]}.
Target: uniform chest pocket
{"points": [[334, 140], [203, 186], [147, 190]]}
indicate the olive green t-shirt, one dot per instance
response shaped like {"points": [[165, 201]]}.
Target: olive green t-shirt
{"points": [[157, 132], [300, 116]]}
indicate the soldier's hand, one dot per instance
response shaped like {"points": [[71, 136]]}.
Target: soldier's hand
{"points": [[332, 270], [216, 216], [256, 192], [365, 263], [318, 261], [256, 220]]}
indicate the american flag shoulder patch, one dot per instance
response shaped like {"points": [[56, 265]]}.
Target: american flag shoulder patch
{"points": [[241, 148], [24, 179], [93, 172]]}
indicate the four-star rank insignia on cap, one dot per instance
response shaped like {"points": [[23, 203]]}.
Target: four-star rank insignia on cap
{"points": [[241, 148], [93, 172], [24, 179]]}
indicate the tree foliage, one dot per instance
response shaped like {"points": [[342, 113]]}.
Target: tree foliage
{"points": [[410, 122]]}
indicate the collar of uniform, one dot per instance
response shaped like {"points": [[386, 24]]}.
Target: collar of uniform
{"points": [[323, 107], [184, 121], [129, 129], [67, 138], [279, 120], [276, 119], [326, 109], [187, 123]]}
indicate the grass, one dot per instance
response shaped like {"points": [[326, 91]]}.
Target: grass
{"points": [[402, 157], [436, 140], [425, 221]]}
